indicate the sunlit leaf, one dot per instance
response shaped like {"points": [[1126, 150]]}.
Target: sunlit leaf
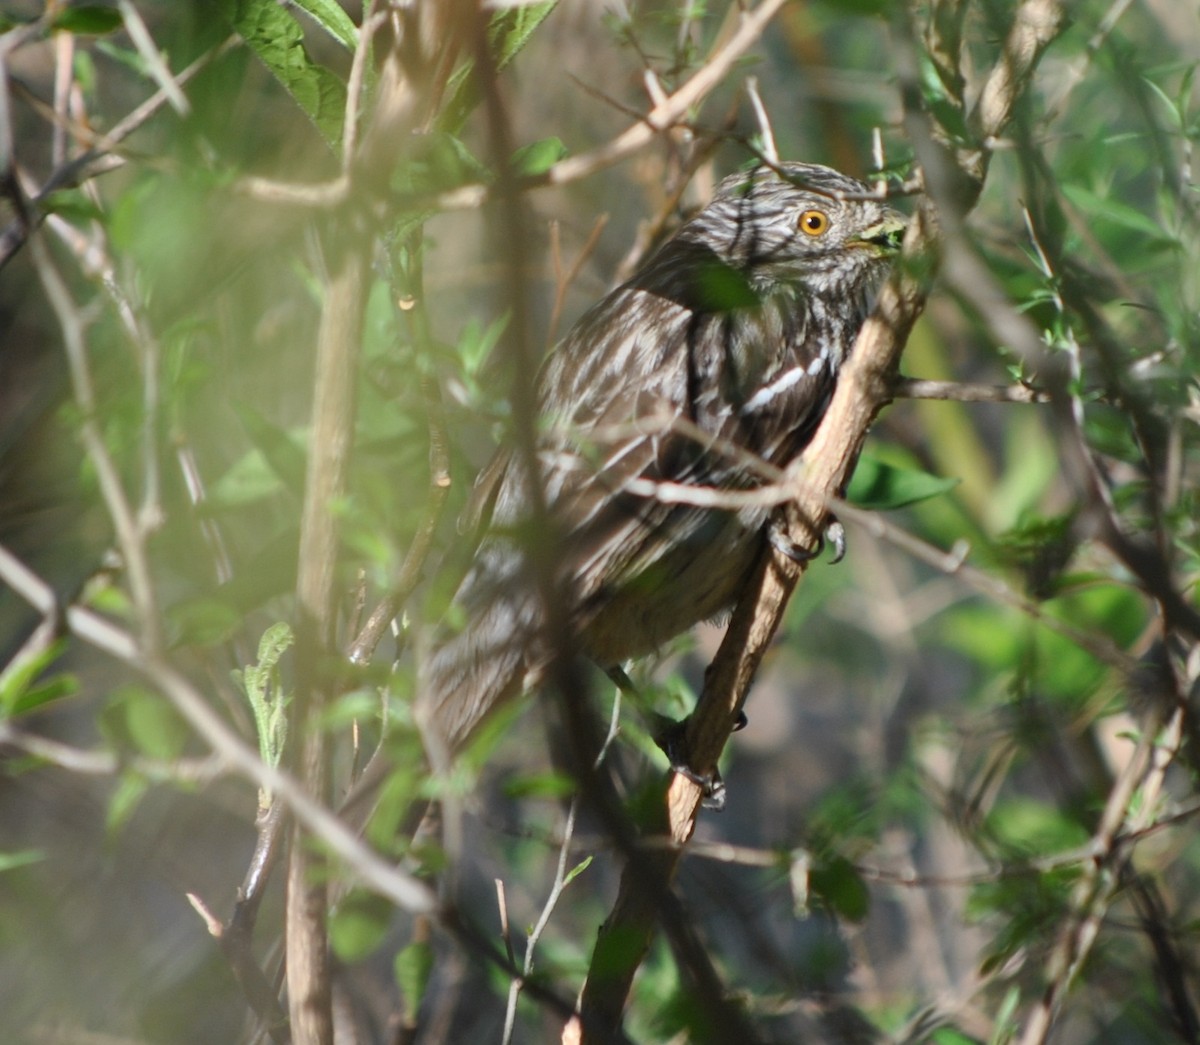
{"points": [[278, 40], [881, 487], [328, 14], [538, 157], [145, 721]]}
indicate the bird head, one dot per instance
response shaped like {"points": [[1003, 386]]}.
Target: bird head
{"points": [[798, 223]]}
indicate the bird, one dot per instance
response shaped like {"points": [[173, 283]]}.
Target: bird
{"points": [[721, 351]]}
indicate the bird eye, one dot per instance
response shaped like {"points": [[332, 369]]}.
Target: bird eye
{"points": [[814, 222]]}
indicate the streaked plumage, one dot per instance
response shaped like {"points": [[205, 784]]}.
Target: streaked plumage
{"points": [[736, 328]]}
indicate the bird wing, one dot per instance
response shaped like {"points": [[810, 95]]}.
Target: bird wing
{"points": [[704, 384]]}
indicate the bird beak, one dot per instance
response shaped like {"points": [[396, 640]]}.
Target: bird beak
{"points": [[884, 237]]}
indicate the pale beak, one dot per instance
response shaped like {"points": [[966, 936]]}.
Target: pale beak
{"points": [[884, 237]]}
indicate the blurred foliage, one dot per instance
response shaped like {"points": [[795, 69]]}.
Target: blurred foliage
{"points": [[926, 762]]}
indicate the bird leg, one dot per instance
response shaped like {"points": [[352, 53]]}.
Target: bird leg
{"points": [[671, 737]]}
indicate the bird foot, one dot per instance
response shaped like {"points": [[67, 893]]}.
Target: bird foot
{"points": [[671, 736], [835, 534]]}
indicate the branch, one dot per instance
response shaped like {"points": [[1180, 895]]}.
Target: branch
{"points": [[107, 763], [965, 392], [863, 389], [330, 443]]}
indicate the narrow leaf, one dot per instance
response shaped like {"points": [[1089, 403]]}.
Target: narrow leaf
{"points": [[90, 19], [328, 14], [881, 487]]}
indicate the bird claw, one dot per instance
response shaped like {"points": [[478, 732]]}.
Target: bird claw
{"points": [[835, 534], [671, 737]]}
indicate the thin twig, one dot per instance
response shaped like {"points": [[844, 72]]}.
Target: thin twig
{"points": [[562, 283], [769, 151], [560, 880], [141, 39], [100, 762], [129, 538]]}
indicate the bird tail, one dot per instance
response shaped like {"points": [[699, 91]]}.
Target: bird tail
{"points": [[474, 671]]}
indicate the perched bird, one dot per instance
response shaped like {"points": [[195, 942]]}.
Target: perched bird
{"points": [[722, 350]]}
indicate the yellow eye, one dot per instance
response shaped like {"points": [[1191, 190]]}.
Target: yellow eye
{"points": [[814, 222]]}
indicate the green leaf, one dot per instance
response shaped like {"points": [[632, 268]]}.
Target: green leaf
{"points": [[859, 8], [476, 343], [125, 799], [261, 684], [945, 109], [20, 675], [576, 871], [328, 14], [721, 288], [72, 204], [146, 722], [20, 858], [57, 688], [540, 785], [952, 1036], [841, 887], [358, 926], [253, 477], [1033, 827], [878, 486], [444, 161], [1041, 549], [1004, 1024], [537, 157], [282, 450], [203, 621], [1112, 210], [91, 19], [412, 968], [508, 31], [278, 40]]}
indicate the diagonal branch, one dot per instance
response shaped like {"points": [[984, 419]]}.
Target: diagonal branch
{"points": [[864, 387]]}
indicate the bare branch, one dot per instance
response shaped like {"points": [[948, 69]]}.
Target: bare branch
{"points": [[107, 763], [963, 392], [149, 53], [129, 536]]}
